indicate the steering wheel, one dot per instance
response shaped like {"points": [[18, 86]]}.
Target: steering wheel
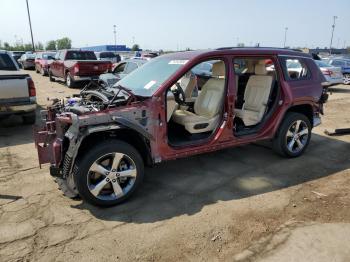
{"points": [[179, 94]]}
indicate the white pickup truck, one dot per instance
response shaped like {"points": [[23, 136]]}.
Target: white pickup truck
{"points": [[17, 90]]}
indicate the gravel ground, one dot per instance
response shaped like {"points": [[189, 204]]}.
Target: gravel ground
{"points": [[239, 204]]}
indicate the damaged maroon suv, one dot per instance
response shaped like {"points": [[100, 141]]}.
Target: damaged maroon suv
{"points": [[179, 105]]}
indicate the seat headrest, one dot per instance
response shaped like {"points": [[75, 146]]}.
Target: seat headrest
{"points": [[218, 69], [260, 69]]}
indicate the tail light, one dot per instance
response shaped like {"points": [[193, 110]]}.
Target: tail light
{"points": [[31, 87], [76, 68], [327, 72]]}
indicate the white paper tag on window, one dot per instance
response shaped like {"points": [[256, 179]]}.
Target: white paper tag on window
{"points": [[178, 62], [150, 84]]}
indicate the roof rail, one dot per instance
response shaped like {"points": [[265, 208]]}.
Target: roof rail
{"points": [[258, 47]]}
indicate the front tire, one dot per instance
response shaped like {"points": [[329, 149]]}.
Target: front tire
{"points": [[293, 135], [109, 173], [50, 76]]}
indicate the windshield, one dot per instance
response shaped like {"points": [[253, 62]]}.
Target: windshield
{"points": [[322, 64], [6, 63], [145, 80]]}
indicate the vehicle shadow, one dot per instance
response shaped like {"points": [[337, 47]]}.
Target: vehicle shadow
{"points": [[14, 132], [339, 89], [185, 186], [78, 85]]}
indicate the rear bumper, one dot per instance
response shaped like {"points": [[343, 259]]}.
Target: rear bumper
{"points": [[28, 64], [334, 81], [17, 109], [84, 78]]}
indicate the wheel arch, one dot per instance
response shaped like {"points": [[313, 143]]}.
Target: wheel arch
{"points": [[127, 135], [305, 109]]}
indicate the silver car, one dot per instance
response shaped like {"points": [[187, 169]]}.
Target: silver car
{"points": [[332, 74]]}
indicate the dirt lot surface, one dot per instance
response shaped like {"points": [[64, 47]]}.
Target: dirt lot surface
{"points": [[240, 204]]}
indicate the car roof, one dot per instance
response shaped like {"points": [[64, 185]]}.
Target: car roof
{"points": [[238, 51]]}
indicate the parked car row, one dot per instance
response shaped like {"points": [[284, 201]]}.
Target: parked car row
{"points": [[343, 64], [17, 90], [74, 65]]}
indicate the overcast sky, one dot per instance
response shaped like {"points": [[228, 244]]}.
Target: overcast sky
{"points": [[172, 24]]}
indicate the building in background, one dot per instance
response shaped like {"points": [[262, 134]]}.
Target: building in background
{"points": [[113, 48]]}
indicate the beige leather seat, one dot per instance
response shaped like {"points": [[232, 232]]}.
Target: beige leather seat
{"points": [[171, 105], [207, 106], [188, 83], [256, 96]]}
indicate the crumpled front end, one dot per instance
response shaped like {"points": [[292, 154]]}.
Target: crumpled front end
{"points": [[49, 138]]}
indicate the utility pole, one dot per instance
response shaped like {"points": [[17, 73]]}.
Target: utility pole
{"points": [[30, 25], [285, 36], [115, 36], [333, 26]]}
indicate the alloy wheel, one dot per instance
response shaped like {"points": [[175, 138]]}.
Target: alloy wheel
{"points": [[297, 136], [68, 80], [111, 176]]}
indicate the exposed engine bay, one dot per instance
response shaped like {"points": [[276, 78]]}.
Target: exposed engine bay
{"points": [[97, 95]]}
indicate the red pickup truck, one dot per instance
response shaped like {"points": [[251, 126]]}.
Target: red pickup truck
{"points": [[76, 65]]}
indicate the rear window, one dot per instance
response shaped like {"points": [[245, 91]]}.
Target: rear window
{"points": [[338, 63], [48, 55], [107, 55], [6, 63], [79, 55], [29, 56], [295, 69]]}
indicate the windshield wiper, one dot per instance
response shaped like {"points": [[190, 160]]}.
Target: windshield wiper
{"points": [[121, 88]]}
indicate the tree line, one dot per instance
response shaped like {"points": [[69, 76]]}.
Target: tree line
{"points": [[62, 43]]}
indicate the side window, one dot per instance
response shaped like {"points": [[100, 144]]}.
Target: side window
{"points": [[246, 66], [337, 63], [62, 54], [295, 69], [57, 55], [130, 67]]}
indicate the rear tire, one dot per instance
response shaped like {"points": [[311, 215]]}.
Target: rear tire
{"points": [[42, 71], [293, 135], [125, 172], [29, 119], [69, 81]]}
